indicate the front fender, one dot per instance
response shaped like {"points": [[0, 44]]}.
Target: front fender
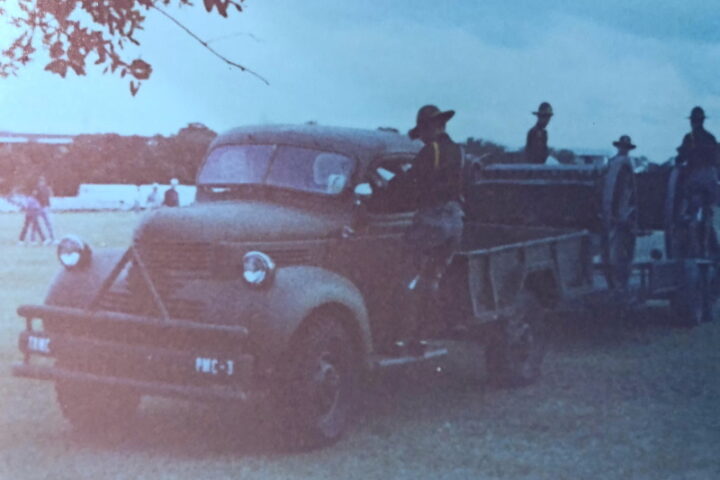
{"points": [[77, 288], [295, 293]]}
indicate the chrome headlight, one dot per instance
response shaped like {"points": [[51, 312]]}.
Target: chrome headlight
{"points": [[73, 252], [258, 268]]}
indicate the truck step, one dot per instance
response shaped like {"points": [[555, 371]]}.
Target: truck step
{"points": [[430, 353]]}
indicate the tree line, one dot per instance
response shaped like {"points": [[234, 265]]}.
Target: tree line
{"points": [[105, 158], [113, 158]]}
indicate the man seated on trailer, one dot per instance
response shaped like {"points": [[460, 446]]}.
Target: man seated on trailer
{"points": [[698, 154]]}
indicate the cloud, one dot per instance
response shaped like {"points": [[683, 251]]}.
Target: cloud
{"points": [[345, 63], [602, 82]]}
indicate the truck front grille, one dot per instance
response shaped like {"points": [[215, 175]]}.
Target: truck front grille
{"points": [[171, 266], [120, 299], [185, 260]]}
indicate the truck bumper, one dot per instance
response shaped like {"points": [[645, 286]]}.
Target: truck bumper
{"points": [[195, 370]]}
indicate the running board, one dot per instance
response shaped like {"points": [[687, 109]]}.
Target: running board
{"points": [[385, 361]]}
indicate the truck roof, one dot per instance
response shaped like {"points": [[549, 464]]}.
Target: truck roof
{"points": [[359, 143]]}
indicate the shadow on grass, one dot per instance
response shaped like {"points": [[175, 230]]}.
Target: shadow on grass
{"points": [[188, 430], [610, 328], [389, 402]]}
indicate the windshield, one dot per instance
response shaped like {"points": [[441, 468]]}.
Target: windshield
{"points": [[294, 168]]}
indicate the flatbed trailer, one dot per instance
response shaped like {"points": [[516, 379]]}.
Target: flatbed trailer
{"points": [[614, 207]]}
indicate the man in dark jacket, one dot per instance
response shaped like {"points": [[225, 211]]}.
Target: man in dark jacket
{"points": [[536, 144], [436, 180], [698, 153], [171, 198]]}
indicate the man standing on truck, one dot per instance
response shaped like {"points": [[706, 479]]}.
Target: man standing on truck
{"points": [[435, 180], [536, 144], [698, 153]]}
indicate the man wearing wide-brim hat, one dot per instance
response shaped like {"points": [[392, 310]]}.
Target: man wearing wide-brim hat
{"points": [[698, 153], [435, 179], [536, 143], [624, 145]]}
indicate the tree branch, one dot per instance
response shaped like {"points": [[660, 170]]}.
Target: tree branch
{"points": [[206, 45], [234, 35]]}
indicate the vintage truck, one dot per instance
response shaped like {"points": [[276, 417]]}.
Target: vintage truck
{"points": [[287, 279]]}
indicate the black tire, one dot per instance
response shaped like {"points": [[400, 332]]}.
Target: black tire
{"points": [[674, 231], [620, 217], [318, 381], [685, 237], [94, 408], [692, 303], [516, 346]]}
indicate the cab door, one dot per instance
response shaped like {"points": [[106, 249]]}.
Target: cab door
{"points": [[374, 255]]}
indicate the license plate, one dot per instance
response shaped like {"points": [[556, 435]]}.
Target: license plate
{"points": [[214, 366], [38, 344]]}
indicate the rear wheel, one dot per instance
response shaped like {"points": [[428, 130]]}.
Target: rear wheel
{"points": [[675, 233], [620, 215], [94, 407], [318, 383], [517, 345], [689, 230]]}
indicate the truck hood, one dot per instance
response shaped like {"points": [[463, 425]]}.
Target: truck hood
{"points": [[237, 221]]}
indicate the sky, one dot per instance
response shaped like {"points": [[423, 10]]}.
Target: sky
{"points": [[608, 68]]}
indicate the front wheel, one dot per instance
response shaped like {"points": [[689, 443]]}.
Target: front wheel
{"points": [[517, 345], [318, 382]]}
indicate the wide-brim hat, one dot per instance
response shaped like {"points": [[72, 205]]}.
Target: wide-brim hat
{"points": [[429, 114], [544, 110], [624, 142], [697, 112]]}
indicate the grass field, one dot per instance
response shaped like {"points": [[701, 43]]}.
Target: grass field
{"points": [[628, 398]]}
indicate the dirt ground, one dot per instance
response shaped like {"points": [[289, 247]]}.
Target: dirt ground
{"points": [[621, 398]]}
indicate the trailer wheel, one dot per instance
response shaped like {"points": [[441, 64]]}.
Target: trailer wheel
{"points": [[317, 385], [693, 302], [674, 240], [685, 235], [620, 216], [517, 345], [93, 408]]}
